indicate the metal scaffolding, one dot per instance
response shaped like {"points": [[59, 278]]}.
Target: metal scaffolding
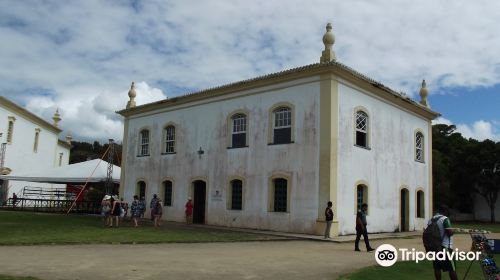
{"points": [[109, 178]]}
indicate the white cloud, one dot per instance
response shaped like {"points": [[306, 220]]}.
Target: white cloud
{"points": [[78, 50], [479, 130], [93, 117]]}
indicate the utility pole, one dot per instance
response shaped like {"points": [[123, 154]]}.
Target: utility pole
{"points": [[109, 177]]}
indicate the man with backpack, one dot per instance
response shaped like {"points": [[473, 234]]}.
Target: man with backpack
{"points": [[438, 237]]}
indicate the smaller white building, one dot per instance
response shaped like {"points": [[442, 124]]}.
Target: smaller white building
{"points": [[28, 143]]}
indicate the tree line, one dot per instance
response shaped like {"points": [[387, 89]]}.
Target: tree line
{"points": [[463, 168], [83, 151]]}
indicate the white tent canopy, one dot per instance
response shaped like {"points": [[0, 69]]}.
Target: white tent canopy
{"points": [[73, 173]]}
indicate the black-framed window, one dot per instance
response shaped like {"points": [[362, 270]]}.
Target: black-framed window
{"points": [[362, 129], [236, 195], [239, 130], [144, 143], [167, 200], [10, 131], [420, 204], [282, 125], [419, 147], [170, 139], [361, 196], [280, 195]]}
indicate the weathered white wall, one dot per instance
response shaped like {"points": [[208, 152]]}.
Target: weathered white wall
{"points": [[387, 166], [20, 156], [204, 125]]}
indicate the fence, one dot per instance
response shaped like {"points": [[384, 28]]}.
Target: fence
{"points": [[52, 205]]}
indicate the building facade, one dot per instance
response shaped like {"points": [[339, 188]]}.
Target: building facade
{"points": [[29, 143], [270, 152]]}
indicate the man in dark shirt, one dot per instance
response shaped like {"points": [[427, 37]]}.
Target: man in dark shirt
{"points": [[361, 228], [328, 219]]}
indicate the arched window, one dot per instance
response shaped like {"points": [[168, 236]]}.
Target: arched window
{"points": [[144, 143], [419, 147], [236, 194], [420, 204], [282, 125], [60, 158], [169, 139], [10, 129], [238, 131], [141, 189], [167, 193], [362, 129], [37, 136], [280, 187], [361, 195]]}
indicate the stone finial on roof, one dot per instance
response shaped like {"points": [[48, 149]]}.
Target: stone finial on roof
{"points": [[69, 138], [56, 118], [423, 94], [328, 39], [131, 95]]}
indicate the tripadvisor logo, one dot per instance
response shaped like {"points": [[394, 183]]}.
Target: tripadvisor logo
{"points": [[387, 255]]}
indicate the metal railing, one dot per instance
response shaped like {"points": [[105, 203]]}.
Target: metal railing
{"points": [[52, 205]]}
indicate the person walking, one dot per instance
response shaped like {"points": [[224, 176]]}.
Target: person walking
{"points": [[158, 211], [152, 206], [444, 225], [105, 210], [14, 200], [189, 211], [142, 206], [124, 205], [361, 228], [328, 219], [136, 211], [115, 211]]}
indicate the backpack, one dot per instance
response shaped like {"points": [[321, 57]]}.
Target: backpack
{"points": [[432, 236]]}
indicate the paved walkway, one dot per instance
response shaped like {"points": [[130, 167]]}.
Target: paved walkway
{"points": [[338, 239], [295, 259]]}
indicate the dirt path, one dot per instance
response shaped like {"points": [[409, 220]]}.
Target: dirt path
{"points": [[241, 260]]}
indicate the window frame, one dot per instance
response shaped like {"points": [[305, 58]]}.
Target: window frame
{"points": [[10, 129], [419, 149], [231, 195], [37, 140], [358, 111], [272, 191], [366, 191], [420, 203], [141, 143], [272, 123], [163, 194], [230, 128], [167, 140]]}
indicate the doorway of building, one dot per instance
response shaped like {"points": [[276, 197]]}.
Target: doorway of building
{"points": [[199, 197], [404, 205], [141, 189]]}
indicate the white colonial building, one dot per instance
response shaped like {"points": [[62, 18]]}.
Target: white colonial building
{"points": [[270, 152], [29, 143]]}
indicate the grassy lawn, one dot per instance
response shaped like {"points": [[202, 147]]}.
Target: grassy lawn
{"points": [[478, 225], [412, 270], [26, 228]]}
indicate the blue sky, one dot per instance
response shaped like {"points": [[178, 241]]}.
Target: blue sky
{"points": [[81, 56]]}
